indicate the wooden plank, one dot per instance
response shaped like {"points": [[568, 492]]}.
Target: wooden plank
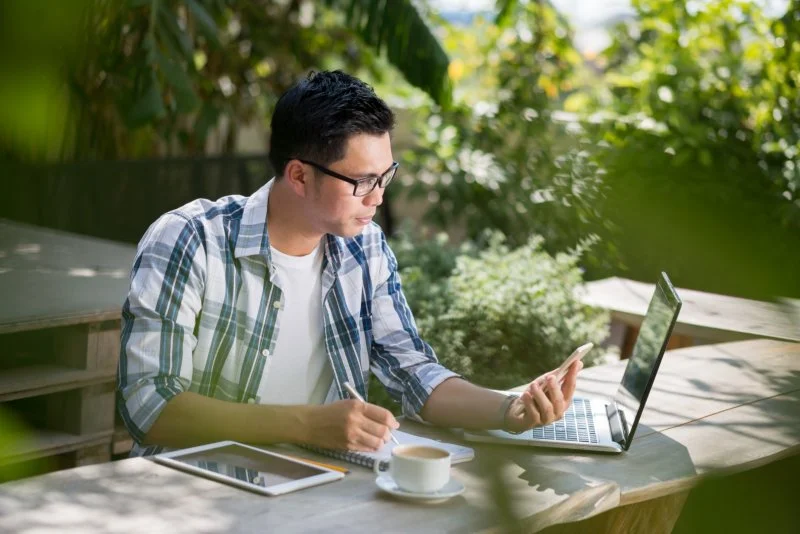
{"points": [[38, 380], [98, 407], [93, 454], [58, 320], [103, 345], [50, 442], [121, 441], [69, 345], [50, 278], [83, 411], [87, 411], [706, 316], [92, 347]]}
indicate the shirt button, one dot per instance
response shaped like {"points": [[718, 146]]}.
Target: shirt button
{"points": [[276, 304], [251, 400], [265, 352]]}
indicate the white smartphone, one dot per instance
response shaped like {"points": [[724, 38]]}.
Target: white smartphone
{"points": [[576, 355]]}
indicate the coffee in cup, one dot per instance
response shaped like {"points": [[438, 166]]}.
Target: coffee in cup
{"points": [[418, 468]]}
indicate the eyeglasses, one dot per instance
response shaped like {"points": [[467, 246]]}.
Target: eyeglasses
{"points": [[363, 187]]}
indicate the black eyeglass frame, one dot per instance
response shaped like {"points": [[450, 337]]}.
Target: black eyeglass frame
{"points": [[381, 180]]}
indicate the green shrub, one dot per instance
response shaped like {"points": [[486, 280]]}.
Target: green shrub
{"points": [[503, 316]]}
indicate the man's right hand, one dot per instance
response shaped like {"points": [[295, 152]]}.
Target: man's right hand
{"points": [[351, 425]]}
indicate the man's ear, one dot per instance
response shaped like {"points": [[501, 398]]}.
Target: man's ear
{"points": [[296, 177]]}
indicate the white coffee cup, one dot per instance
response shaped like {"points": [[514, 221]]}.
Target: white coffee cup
{"points": [[418, 468]]}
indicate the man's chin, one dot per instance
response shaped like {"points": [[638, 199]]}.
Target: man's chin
{"points": [[348, 231]]}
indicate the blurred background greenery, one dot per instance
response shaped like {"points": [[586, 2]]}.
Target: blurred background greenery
{"points": [[529, 165], [530, 162]]}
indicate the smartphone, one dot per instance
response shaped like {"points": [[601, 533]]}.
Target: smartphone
{"points": [[577, 354], [561, 372]]}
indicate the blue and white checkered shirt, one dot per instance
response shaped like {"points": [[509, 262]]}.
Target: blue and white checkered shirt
{"points": [[204, 311]]}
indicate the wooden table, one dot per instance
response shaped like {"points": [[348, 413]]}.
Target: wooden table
{"points": [[60, 329], [704, 317], [715, 408]]}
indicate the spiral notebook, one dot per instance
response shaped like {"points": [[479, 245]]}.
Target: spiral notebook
{"points": [[458, 453]]}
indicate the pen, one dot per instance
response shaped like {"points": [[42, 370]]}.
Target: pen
{"points": [[353, 393], [312, 462]]}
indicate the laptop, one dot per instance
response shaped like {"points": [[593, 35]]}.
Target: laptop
{"points": [[605, 424]]}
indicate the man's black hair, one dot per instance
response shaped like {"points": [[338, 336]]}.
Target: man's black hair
{"points": [[314, 119]]}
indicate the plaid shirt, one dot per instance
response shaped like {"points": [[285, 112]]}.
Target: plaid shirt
{"points": [[204, 312]]}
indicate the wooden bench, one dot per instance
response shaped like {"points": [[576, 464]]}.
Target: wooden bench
{"points": [[704, 318], [60, 335]]}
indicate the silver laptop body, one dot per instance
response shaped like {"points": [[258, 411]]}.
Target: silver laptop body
{"points": [[605, 424]]}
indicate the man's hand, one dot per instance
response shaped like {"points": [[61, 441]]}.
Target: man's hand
{"points": [[351, 425], [543, 401]]}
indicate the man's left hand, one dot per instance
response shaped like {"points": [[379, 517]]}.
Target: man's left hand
{"points": [[543, 401]]}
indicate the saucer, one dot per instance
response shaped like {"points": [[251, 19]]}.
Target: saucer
{"points": [[451, 489]]}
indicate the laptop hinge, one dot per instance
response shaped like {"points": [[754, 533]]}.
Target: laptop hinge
{"points": [[618, 423], [626, 430]]}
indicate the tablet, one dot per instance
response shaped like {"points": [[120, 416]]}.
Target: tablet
{"points": [[248, 467]]}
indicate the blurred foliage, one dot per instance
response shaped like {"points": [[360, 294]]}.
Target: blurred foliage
{"points": [[697, 124], [153, 77], [499, 159], [37, 40], [14, 436], [674, 150], [498, 315]]}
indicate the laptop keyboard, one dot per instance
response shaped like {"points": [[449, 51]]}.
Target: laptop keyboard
{"points": [[577, 425]]}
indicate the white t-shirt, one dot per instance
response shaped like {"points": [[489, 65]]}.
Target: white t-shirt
{"points": [[298, 370]]}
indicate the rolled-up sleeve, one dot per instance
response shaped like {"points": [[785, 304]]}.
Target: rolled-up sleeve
{"points": [[158, 321], [400, 358]]}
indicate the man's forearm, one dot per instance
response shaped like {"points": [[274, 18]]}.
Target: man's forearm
{"points": [[458, 403], [192, 419]]}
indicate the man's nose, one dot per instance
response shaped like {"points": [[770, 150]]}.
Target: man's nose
{"points": [[375, 198]]}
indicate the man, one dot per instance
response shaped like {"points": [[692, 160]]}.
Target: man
{"points": [[247, 315]]}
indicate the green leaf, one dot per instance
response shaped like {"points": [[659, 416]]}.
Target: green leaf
{"points": [[504, 10], [172, 35], [396, 28], [149, 106], [150, 48], [205, 21], [183, 90], [206, 119]]}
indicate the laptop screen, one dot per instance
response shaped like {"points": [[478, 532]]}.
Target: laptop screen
{"points": [[647, 352]]}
